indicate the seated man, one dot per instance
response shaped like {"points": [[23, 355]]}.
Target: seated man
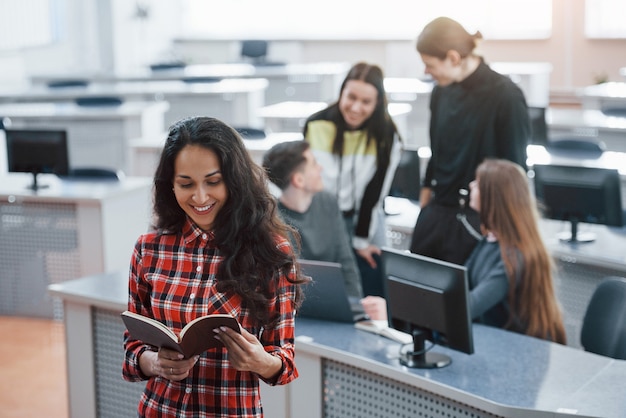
{"points": [[315, 213]]}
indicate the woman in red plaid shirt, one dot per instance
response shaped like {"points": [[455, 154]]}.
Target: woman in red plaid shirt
{"points": [[218, 247]]}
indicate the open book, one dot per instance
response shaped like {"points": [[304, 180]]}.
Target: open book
{"points": [[195, 338], [382, 328]]}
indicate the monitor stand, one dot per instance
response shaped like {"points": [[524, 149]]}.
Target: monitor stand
{"points": [[35, 185], [417, 357], [574, 236]]}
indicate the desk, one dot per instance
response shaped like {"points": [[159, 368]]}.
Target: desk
{"points": [[313, 81], [587, 123], [146, 151], [233, 100], [580, 267], [97, 136], [68, 230], [290, 116], [605, 95], [348, 372]]}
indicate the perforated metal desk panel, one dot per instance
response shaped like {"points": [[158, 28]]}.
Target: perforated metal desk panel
{"points": [[346, 372], [70, 229]]}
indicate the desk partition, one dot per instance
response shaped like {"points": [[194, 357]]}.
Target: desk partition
{"points": [[319, 81], [147, 151], [233, 100], [97, 136], [68, 230], [347, 372]]}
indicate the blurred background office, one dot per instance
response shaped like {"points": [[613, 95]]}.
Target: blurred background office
{"points": [[582, 40]]}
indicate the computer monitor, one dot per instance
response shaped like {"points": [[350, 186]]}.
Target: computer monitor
{"points": [[428, 299], [538, 125], [254, 49], [406, 180], [579, 194], [37, 151]]}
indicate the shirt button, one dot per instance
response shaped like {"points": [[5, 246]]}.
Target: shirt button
{"points": [[199, 269], [193, 295], [187, 390], [204, 236]]}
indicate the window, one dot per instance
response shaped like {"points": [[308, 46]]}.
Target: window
{"points": [[28, 23], [365, 20], [605, 19]]}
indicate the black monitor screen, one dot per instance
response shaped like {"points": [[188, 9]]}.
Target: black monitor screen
{"points": [[579, 194], [254, 49], [37, 151], [406, 180], [429, 299]]}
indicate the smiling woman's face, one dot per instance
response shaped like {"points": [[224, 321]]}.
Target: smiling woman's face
{"points": [[357, 102], [198, 184]]}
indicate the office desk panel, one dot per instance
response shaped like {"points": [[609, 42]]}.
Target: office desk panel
{"points": [[68, 230], [147, 151], [600, 96], [319, 81], [588, 123], [97, 136], [348, 372], [290, 116], [233, 100]]}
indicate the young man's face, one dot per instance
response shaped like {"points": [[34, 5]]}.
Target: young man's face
{"points": [[311, 173]]}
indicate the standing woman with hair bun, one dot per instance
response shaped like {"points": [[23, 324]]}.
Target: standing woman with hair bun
{"points": [[475, 113]]}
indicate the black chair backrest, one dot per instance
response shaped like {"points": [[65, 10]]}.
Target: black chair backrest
{"points": [[68, 83], [95, 173], [255, 49], [96, 101], [615, 111], [604, 324], [250, 133], [576, 147]]}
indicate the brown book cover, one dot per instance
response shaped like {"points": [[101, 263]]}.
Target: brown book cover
{"points": [[195, 338]]}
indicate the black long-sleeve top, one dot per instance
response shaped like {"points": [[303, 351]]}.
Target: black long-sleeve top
{"points": [[485, 115]]}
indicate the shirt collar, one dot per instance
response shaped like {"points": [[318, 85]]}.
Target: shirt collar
{"points": [[477, 78], [192, 232]]}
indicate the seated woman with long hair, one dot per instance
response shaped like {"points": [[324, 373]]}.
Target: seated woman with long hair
{"points": [[510, 271]]}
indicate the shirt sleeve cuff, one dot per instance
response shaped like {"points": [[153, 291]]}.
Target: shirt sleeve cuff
{"points": [[360, 243]]}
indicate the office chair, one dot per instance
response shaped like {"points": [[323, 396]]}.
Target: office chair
{"points": [[95, 101], [538, 125], [95, 173], [68, 83], [604, 324], [615, 111], [576, 147], [406, 181], [250, 133], [256, 50]]}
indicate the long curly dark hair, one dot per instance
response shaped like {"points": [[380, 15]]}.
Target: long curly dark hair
{"points": [[247, 225]]}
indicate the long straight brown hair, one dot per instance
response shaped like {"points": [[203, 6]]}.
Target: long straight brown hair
{"points": [[508, 209]]}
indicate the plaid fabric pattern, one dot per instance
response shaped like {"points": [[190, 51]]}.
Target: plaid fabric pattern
{"points": [[172, 279]]}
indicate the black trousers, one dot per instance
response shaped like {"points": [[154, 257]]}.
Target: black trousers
{"points": [[440, 234]]}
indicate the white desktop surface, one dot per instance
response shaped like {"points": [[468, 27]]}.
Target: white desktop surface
{"points": [[612, 89], [67, 110], [223, 70], [145, 152], [134, 90], [97, 136], [300, 110]]}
